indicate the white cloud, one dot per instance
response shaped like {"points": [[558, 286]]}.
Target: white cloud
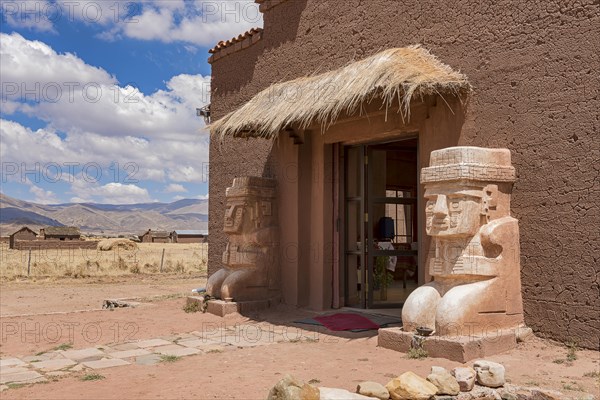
{"points": [[175, 188], [37, 15], [87, 190], [158, 135], [73, 96], [200, 22], [155, 160], [121, 194], [32, 69], [42, 196]]}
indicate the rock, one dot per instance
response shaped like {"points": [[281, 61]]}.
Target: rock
{"points": [[340, 394], [480, 393], [289, 388], [523, 333], [410, 386], [489, 373], [540, 394], [444, 381], [309, 392], [373, 389], [465, 376]]}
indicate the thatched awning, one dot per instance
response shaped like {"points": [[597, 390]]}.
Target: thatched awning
{"points": [[393, 74]]}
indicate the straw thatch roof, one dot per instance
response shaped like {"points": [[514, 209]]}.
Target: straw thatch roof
{"points": [[393, 74], [61, 231]]}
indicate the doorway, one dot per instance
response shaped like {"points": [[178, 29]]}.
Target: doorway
{"points": [[380, 229]]}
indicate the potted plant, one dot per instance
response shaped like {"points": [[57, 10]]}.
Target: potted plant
{"points": [[381, 278]]}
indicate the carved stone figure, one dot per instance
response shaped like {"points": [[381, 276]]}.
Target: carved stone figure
{"points": [[250, 262], [474, 253]]}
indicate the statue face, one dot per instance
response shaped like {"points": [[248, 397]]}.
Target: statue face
{"points": [[234, 217], [453, 211]]}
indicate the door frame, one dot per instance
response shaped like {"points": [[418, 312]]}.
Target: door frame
{"points": [[367, 253]]}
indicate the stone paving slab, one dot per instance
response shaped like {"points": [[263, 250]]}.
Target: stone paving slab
{"points": [[53, 365], [13, 370], [153, 343], [22, 377], [51, 355], [105, 363], [9, 362], [83, 354], [197, 343], [129, 353], [150, 359], [41, 357], [176, 350], [146, 352], [124, 346]]}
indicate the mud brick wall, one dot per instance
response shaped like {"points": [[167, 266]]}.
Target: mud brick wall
{"points": [[534, 67], [54, 244]]}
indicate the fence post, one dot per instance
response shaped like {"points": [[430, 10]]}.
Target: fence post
{"points": [[162, 259], [29, 263]]}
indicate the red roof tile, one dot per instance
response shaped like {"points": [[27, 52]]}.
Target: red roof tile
{"points": [[224, 44]]}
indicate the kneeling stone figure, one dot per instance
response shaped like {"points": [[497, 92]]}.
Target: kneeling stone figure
{"points": [[474, 250]]}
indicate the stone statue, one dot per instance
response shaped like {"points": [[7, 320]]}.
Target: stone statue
{"points": [[250, 260], [474, 252]]}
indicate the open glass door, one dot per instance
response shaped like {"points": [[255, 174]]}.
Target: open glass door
{"points": [[380, 227], [392, 222]]}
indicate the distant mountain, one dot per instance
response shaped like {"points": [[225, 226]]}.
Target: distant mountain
{"points": [[107, 218]]}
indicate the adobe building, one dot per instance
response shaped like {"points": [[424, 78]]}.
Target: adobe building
{"points": [[151, 236], [342, 104], [62, 233], [188, 236], [22, 234]]}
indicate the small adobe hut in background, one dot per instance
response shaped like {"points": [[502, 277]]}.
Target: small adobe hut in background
{"points": [[24, 233], [188, 236], [151, 236], [62, 233]]}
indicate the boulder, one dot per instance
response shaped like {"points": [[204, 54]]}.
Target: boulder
{"points": [[373, 389], [489, 373], [444, 381], [410, 386], [340, 394], [290, 388], [465, 376]]}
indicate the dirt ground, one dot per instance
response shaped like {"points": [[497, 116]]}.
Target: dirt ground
{"points": [[241, 373]]}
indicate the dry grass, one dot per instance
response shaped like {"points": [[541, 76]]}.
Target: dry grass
{"points": [[80, 263], [112, 244], [394, 75]]}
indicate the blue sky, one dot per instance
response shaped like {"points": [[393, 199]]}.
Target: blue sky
{"points": [[98, 98]]}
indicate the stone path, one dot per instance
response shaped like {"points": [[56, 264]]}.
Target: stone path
{"points": [[43, 366]]}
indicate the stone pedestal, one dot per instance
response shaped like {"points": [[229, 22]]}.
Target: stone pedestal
{"points": [[222, 308], [455, 348]]}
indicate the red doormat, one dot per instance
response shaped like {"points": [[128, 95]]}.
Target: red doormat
{"points": [[346, 322]]}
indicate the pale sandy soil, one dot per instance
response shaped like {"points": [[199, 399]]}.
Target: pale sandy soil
{"points": [[248, 373], [49, 295]]}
